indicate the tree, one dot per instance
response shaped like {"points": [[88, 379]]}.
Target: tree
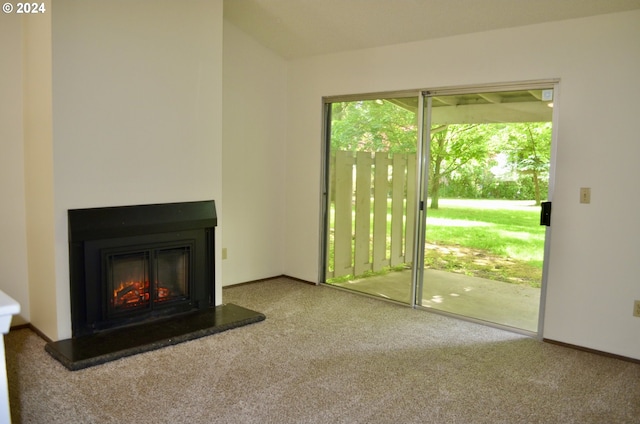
{"points": [[452, 147], [373, 126], [528, 147]]}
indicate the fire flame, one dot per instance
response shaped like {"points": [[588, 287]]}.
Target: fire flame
{"points": [[134, 293]]}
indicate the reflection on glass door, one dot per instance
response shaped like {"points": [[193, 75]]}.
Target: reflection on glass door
{"points": [[371, 196], [489, 161]]}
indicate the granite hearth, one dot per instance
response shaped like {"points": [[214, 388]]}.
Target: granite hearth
{"points": [[95, 349]]}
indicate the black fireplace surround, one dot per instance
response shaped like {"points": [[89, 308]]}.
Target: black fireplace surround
{"points": [[142, 278], [137, 264]]}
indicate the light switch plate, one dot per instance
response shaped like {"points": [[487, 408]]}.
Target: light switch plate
{"points": [[585, 195]]}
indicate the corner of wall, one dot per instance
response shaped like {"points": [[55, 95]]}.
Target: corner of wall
{"points": [[14, 276], [38, 154]]}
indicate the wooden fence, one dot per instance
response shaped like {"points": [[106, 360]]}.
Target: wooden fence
{"points": [[372, 210]]}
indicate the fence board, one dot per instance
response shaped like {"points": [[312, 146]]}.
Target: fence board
{"points": [[397, 208], [342, 235], [331, 211], [362, 242], [380, 194], [410, 223]]}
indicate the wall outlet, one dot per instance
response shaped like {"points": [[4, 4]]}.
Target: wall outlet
{"points": [[636, 308], [224, 253]]}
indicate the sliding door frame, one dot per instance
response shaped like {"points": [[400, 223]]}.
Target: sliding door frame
{"points": [[327, 101], [424, 97], [425, 142], [422, 185]]}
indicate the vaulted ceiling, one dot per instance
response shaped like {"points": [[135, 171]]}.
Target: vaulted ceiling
{"points": [[302, 28]]}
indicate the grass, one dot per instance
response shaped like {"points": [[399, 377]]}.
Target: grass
{"points": [[493, 239], [506, 230]]}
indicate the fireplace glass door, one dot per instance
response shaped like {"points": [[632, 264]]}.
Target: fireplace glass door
{"points": [[128, 279], [144, 280]]}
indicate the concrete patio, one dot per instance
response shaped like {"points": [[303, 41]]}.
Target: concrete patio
{"points": [[496, 302]]}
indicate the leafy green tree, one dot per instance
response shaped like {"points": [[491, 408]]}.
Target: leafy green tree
{"points": [[373, 126], [528, 147], [453, 147]]}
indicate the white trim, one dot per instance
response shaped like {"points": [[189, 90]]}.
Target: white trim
{"points": [[492, 88], [551, 188]]}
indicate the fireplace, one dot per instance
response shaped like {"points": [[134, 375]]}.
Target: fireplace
{"points": [[142, 278], [136, 264]]}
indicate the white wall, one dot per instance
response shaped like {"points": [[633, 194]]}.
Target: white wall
{"points": [[38, 156], [13, 243], [137, 108], [594, 266], [253, 148], [145, 78]]}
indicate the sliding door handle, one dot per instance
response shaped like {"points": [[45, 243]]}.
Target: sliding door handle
{"points": [[545, 213]]}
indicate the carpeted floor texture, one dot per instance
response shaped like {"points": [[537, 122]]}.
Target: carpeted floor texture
{"points": [[328, 356]]}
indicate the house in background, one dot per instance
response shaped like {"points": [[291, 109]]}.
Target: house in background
{"points": [[119, 103]]}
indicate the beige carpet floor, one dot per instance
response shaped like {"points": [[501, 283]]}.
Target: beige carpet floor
{"points": [[328, 356]]}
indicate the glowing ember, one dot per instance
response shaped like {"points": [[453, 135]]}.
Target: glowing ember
{"points": [[134, 293]]}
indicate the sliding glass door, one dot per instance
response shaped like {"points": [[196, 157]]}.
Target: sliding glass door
{"points": [[433, 199], [489, 167], [371, 195]]}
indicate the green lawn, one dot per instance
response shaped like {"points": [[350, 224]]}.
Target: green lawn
{"points": [[507, 230], [494, 239], [487, 238]]}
